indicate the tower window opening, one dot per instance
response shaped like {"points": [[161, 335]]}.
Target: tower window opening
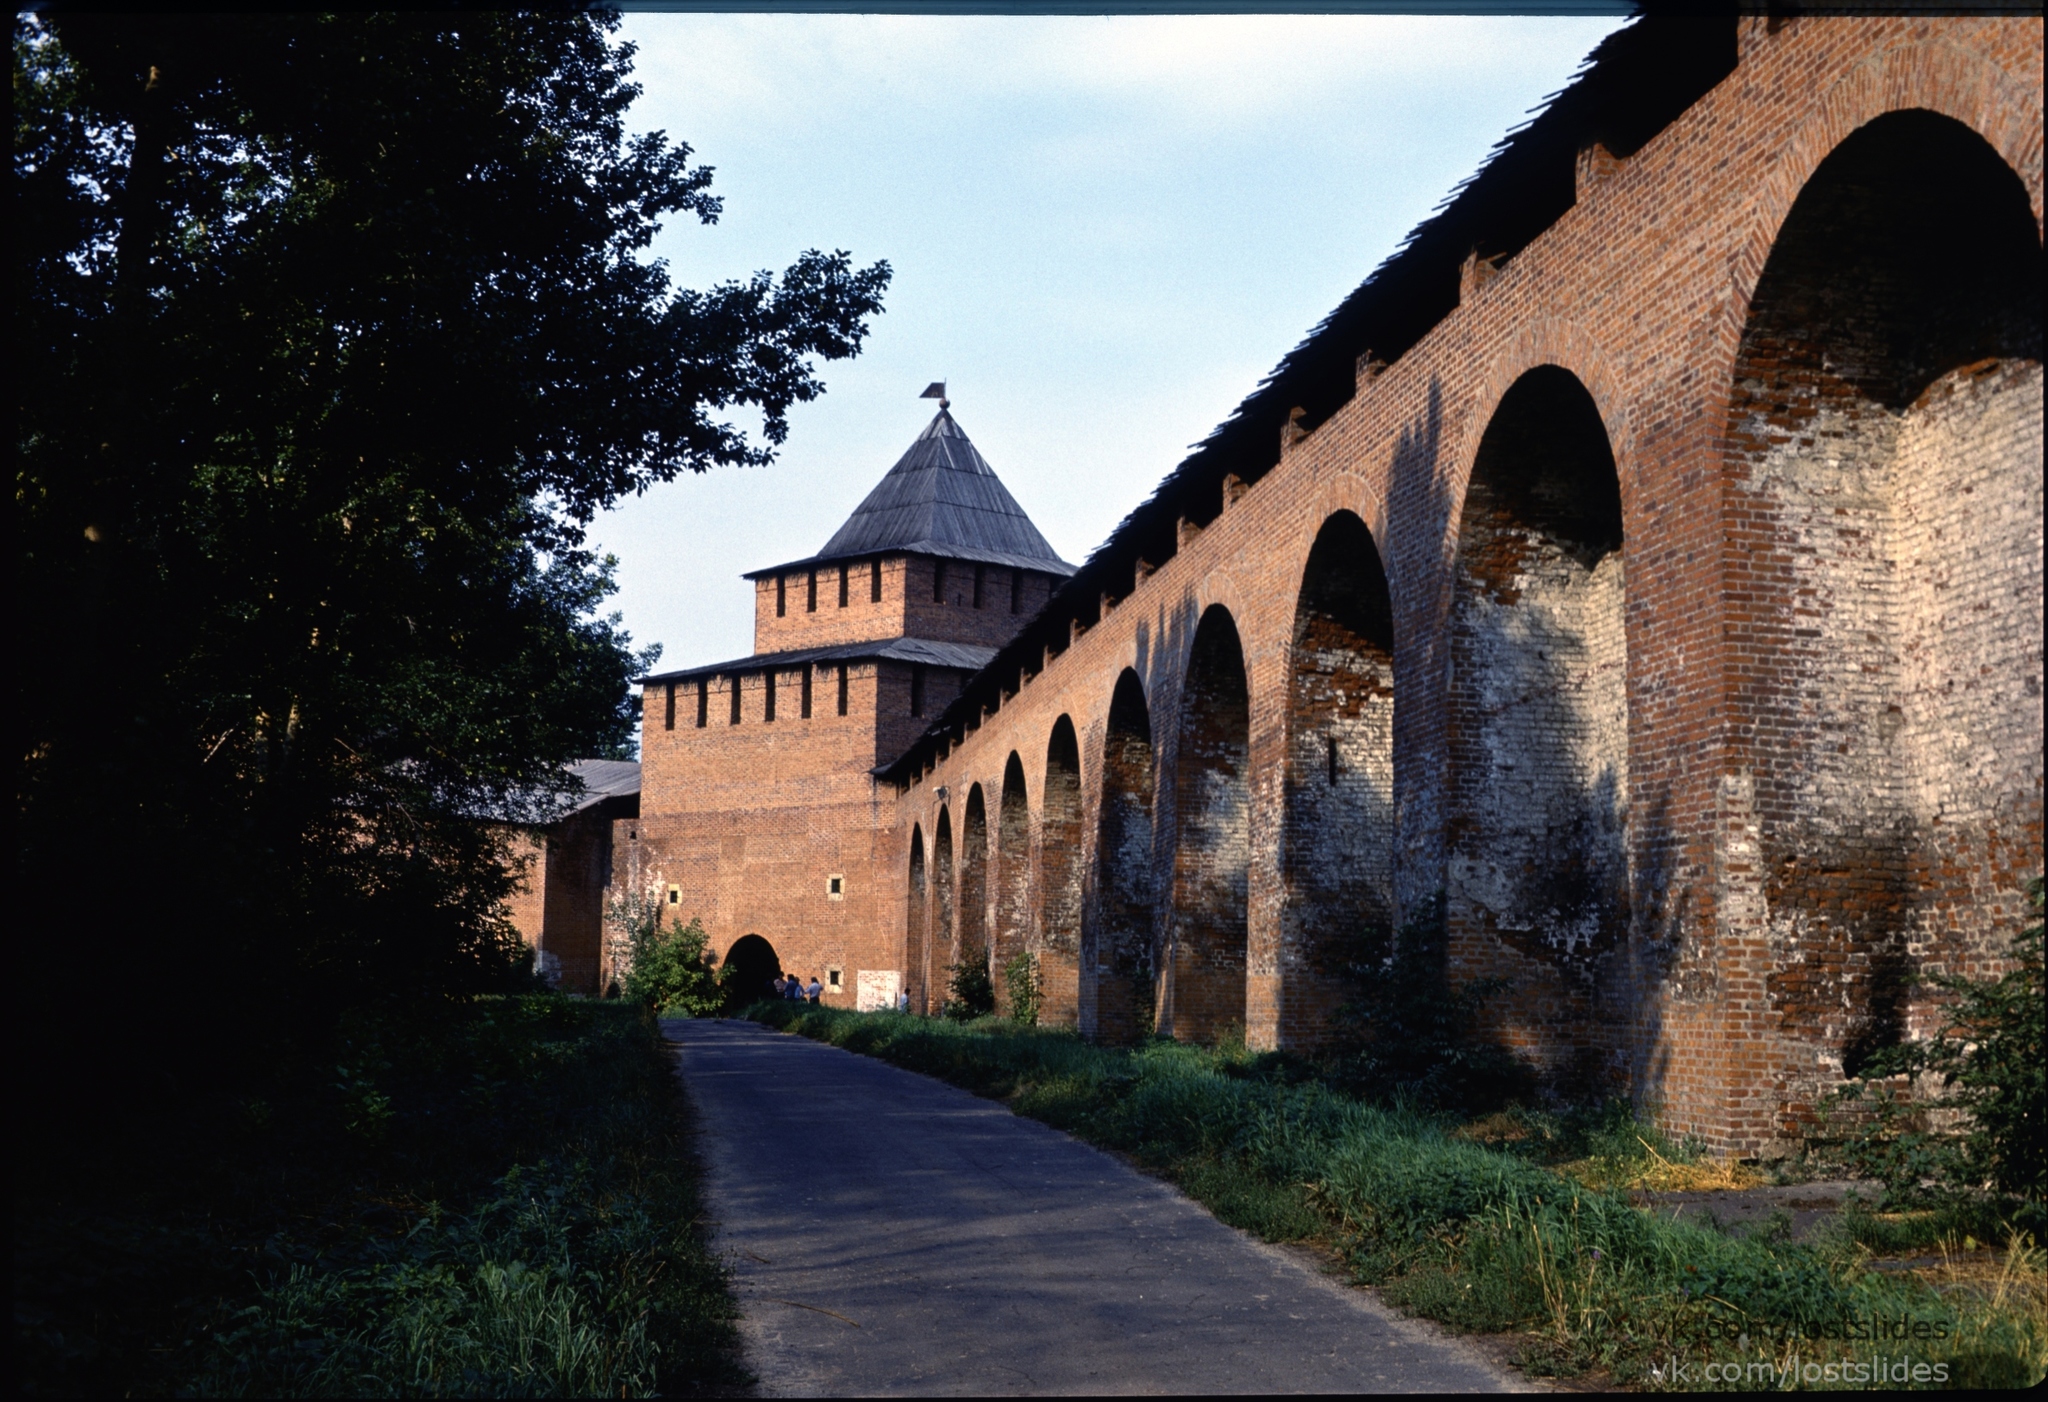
{"points": [[917, 691], [1016, 591], [781, 597], [980, 580], [703, 702], [1331, 742], [811, 593], [735, 698], [767, 696], [875, 582], [842, 688], [845, 573], [804, 697], [669, 720], [938, 581]]}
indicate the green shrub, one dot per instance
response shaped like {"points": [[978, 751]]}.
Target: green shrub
{"points": [[974, 992], [1993, 1080], [671, 971], [1020, 981]]}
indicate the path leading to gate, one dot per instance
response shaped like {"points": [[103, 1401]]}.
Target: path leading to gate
{"points": [[893, 1234]]}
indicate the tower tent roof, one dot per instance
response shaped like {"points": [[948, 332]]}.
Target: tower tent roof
{"points": [[941, 498]]}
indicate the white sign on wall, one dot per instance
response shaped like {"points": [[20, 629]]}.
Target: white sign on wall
{"points": [[876, 990]]}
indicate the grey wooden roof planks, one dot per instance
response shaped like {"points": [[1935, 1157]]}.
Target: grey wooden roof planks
{"points": [[941, 498]]}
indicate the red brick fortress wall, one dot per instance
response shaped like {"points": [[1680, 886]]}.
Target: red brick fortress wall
{"points": [[1671, 612]]}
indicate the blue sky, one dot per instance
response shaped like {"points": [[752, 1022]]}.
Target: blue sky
{"points": [[1104, 232]]}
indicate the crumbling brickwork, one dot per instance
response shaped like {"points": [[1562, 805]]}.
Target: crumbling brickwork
{"points": [[1115, 996], [1058, 943], [1011, 926], [1339, 860], [1203, 994], [1538, 717]]}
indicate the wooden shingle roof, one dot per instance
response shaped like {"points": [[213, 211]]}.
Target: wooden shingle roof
{"points": [[941, 498]]}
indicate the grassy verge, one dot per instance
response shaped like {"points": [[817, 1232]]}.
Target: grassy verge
{"points": [[1490, 1227], [487, 1199]]}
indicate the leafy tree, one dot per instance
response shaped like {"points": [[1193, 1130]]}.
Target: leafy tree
{"points": [[332, 333]]}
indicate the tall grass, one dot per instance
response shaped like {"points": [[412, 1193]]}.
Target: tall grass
{"points": [[1478, 1237]]}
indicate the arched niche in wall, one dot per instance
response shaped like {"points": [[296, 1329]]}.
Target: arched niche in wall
{"points": [[945, 910], [1060, 871], [971, 942], [1885, 572], [1205, 998], [1339, 853], [1116, 965], [1538, 705], [916, 950], [1012, 933]]}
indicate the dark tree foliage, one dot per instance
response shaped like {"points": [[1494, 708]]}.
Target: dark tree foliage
{"points": [[331, 333]]}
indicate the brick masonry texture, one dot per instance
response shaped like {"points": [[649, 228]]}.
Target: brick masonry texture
{"points": [[1671, 611]]}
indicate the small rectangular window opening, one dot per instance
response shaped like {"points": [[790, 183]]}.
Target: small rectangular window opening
{"points": [[781, 598], [767, 696], [875, 582], [811, 594], [845, 574], [703, 702], [1016, 591], [1331, 741], [917, 691], [735, 698], [832, 977], [835, 887], [842, 688], [804, 701], [675, 895], [669, 721], [980, 580], [938, 581]]}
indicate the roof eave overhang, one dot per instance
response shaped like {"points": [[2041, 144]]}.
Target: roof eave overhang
{"points": [[950, 552]]}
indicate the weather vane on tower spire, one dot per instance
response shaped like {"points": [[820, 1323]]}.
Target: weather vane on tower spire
{"points": [[937, 390]]}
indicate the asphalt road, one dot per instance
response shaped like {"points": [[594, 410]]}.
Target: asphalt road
{"points": [[891, 1234]]}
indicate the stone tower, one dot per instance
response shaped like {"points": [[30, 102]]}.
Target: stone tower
{"points": [[758, 805]]}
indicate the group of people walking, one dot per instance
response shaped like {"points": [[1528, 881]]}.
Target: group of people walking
{"points": [[792, 987]]}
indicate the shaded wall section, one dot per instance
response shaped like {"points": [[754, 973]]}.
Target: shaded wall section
{"points": [[1885, 434], [1118, 999], [1205, 994], [1538, 718], [1060, 870], [1339, 856]]}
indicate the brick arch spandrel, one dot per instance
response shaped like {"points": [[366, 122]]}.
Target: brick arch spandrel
{"points": [[1346, 491], [1563, 342], [1264, 629], [1932, 75]]}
